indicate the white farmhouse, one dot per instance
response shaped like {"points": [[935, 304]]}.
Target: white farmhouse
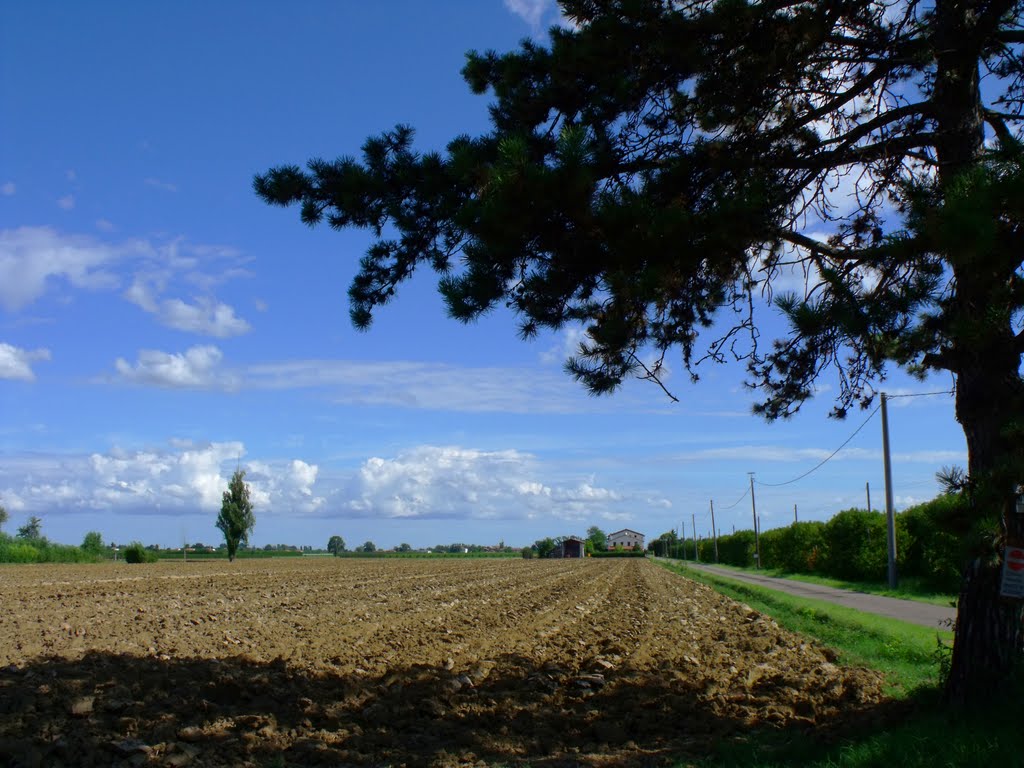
{"points": [[626, 538]]}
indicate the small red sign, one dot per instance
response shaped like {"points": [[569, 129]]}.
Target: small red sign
{"points": [[1013, 573]]}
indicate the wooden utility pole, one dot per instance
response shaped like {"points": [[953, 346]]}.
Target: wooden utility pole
{"points": [[795, 518], [890, 517], [757, 535], [714, 529], [867, 489]]}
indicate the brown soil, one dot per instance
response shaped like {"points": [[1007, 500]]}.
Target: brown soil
{"points": [[318, 661]]}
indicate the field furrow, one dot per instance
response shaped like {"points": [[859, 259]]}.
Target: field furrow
{"points": [[423, 662]]}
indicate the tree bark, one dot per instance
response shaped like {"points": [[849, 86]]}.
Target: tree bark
{"points": [[990, 395]]}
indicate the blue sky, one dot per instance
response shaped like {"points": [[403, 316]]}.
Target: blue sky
{"points": [[159, 325]]}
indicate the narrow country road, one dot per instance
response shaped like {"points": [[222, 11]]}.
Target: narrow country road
{"points": [[924, 614]]}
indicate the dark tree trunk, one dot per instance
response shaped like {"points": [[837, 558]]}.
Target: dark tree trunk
{"points": [[988, 638], [990, 396]]}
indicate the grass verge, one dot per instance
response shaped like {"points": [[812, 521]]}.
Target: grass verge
{"points": [[908, 589], [918, 733], [908, 654]]}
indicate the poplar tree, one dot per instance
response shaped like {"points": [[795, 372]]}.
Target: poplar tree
{"points": [[236, 519], [659, 172]]}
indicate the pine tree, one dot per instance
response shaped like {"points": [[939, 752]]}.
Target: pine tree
{"points": [[659, 173]]}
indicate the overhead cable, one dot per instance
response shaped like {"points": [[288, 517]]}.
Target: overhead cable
{"points": [[828, 458]]}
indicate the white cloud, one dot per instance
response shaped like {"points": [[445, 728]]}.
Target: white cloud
{"points": [[396, 384], [206, 316], [197, 367], [35, 259], [67, 202], [437, 482], [431, 386], [16, 363], [105, 226], [530, 11], [184, 476], [31, 258], [157, 184], [566, 347], [8, 188]]}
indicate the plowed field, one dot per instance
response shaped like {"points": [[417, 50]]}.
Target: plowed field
{"points": [[320, 661]]}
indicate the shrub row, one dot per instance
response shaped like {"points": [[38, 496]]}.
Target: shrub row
{"points": [[41, 550], [853, 545]]}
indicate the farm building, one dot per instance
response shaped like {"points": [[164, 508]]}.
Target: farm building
{"points": [[571, 546], [626, 539]]}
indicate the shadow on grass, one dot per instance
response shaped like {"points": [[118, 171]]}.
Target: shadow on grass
{"points": [[108, 709], [926, 734]]}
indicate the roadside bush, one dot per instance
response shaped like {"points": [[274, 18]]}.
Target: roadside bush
{"points": [[857, 549], [706, 550], [137, 553], [737, 549], [797, 548], [928, 545]]}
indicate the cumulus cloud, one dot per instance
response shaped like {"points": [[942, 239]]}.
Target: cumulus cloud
{"points": [[16, 363], [206, 316], [184, 476], [197, 367], [32, 258], [438, 482], [424, 482]]}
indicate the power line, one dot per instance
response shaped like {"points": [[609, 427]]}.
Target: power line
{"points": [[828, 458], [741, 498], [921, 394]]}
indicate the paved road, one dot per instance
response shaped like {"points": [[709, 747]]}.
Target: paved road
{"points": [[925, 614]]}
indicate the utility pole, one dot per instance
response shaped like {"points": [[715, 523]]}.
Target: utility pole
{"points": [[795, 518], [890, 517], [696, 549], [757, 536], [714, 529], [867, 488]]}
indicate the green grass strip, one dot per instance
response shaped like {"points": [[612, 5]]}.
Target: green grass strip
{"points": [[907, 654], [917, 733], [908, 589]]}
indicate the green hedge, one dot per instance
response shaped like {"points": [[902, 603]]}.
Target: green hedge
{"points": [[15, 550], [853, 545]]}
